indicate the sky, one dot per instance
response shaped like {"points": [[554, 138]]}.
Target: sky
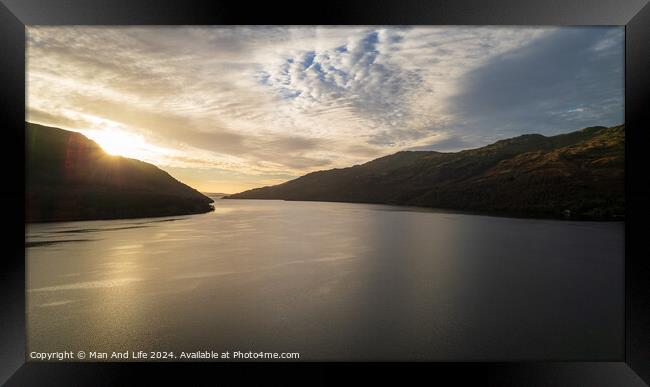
{"points": [[229, 108]]}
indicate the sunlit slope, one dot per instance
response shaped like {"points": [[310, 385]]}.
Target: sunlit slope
{"points": [[69, 177], [578, 175]]}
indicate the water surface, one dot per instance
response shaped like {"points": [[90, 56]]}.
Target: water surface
{"points": [[332, 281]]}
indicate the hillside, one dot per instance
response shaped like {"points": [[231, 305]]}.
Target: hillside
{"points": [[579, 175], [70, 177]]}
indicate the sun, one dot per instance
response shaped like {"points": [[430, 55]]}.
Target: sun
{"points": [[119, 143]]}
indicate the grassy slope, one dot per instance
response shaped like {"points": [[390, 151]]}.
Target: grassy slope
{"points": [[530, 175]]}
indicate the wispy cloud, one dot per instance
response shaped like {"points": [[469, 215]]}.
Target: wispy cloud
{"points": [[213, 103]]}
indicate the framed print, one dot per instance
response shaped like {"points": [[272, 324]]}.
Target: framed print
{"points": [[448, 188]]}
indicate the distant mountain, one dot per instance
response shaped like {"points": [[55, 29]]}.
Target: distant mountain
{"points": [[70, 177], [215, 195], [579, 175]]}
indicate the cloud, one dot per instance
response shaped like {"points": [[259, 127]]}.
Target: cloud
{"points": [[357, 77], [290, 100], [566, 80], [447, 143]]}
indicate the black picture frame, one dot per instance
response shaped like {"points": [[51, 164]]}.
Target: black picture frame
{"points": [[632, 370]]}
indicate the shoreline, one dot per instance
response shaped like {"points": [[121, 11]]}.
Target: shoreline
{"points": [[127, 217], [458, 211]]}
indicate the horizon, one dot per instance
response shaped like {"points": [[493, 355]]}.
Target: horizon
{"points": [[226, 109], [207, 192]]}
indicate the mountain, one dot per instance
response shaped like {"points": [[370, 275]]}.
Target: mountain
{"points": [[579, 175], [70, 177], [215, 195]]}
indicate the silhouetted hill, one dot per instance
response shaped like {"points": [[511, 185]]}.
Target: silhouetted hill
{"points": [[579, 175], [70, 177]]}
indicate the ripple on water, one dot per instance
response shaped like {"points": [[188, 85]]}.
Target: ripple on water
{"points": [[88, 285]]}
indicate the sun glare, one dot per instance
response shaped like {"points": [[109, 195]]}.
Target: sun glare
{"points": [[119, 143]]}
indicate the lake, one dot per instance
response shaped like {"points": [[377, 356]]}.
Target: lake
{"points": [[331, 281]]}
